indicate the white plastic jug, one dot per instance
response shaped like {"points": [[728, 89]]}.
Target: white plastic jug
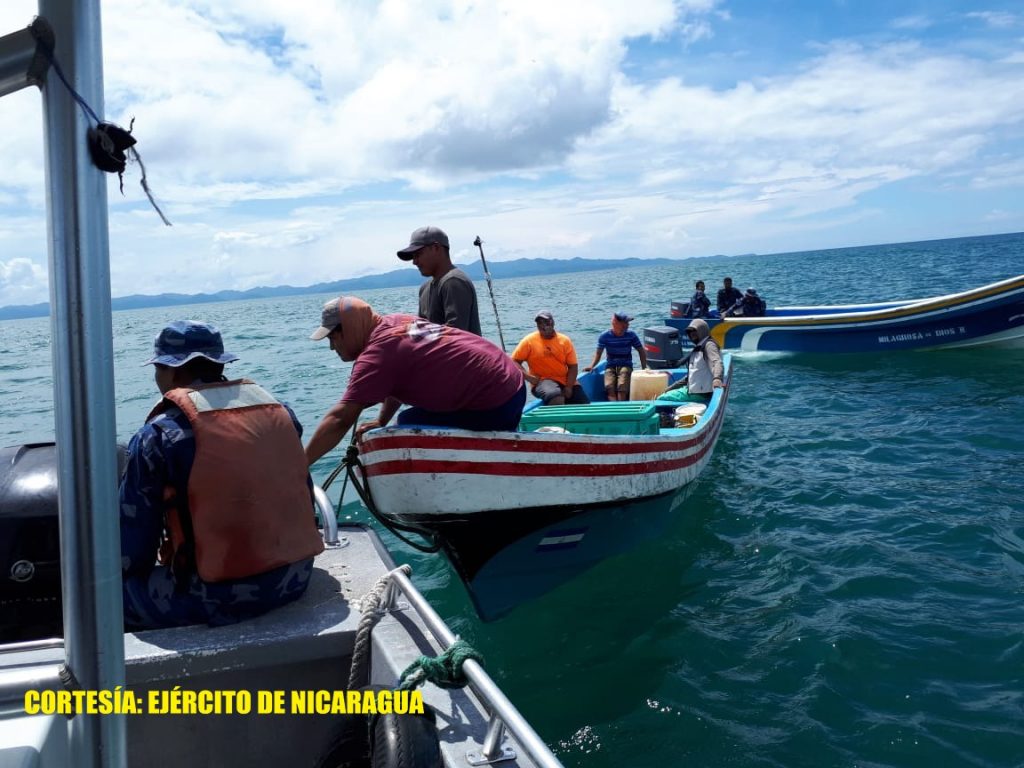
{"points": [[647, 385]]}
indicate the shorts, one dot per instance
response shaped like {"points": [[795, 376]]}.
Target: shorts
{"points": [[617, 377], [548, 389]]}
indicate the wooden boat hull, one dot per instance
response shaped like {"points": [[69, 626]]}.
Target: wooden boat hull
{"points": [[444, 475], [992, 314]]}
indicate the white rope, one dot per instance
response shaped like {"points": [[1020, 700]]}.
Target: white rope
{"points": [[372, 606]]}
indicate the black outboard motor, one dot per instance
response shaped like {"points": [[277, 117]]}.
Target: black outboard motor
{"points": [[679, 309], [30, 606], [30, 603], [663, 346]]}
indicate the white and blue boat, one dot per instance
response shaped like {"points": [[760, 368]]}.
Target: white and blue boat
{"points": [[992, 314]]}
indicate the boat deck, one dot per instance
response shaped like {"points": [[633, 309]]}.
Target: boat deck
{"points": [[306, 645]]}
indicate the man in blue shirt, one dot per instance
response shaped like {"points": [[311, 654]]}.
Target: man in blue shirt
{"points": [[190, 507], [619, 342]]}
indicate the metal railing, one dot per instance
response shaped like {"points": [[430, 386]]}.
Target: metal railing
{"points": [[502, 712]]}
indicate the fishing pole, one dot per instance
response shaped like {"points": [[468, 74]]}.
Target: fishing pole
{"points": [[490, 289]]}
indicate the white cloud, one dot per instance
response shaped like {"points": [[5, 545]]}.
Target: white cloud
{"points": [[301, 142], [20, 281]]}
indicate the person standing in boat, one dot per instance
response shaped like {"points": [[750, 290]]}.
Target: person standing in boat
{"points": [[217, 489], [450, 377], [448, 297], [700, 305], [704, 369], [620, 343], [728, 296], [548, 360]]}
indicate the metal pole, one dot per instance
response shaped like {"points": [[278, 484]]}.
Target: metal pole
{"points": [[490, 289], [17, 58], [83, 374]]}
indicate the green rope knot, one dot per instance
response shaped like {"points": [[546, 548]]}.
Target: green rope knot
{"points": [[444, 671]]}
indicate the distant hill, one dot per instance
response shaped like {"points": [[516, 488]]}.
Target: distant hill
{"points": [[398, 277]]}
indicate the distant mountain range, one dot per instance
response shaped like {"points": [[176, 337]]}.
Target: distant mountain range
{"points": [[399, 277]]}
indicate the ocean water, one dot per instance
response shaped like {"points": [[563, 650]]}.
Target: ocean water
{"points": [[845, 584]]}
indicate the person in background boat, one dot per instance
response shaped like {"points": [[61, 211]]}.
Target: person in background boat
{"points": [[217, 489], [548, 360], [450, 377], [700, 305], [448, 297], [728, 296], [620, 343], [704, 369], [751, 305]]}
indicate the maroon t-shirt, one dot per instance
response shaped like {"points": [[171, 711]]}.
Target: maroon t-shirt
{"points": [[431, 366]]}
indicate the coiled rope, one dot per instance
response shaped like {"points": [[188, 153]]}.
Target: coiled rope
{"points": [[373, 608], [444, 671]]}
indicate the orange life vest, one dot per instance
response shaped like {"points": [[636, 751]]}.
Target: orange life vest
{"points": [[249, 507]]}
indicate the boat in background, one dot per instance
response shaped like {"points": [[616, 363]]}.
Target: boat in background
{"points": [[479, 492], [992, 314]]}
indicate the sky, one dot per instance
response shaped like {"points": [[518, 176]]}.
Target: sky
{"points": [[302, 141]]}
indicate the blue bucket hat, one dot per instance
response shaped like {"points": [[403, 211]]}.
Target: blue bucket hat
{"points": [[185, 340]]}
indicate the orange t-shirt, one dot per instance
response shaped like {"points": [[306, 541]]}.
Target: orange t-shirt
{"points": [[546, 358]]}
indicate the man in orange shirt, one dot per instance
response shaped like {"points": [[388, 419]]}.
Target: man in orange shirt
{"points": [[550, 364]]}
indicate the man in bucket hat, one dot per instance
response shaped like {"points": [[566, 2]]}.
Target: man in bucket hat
{"points": [[448, 297], [216, 487]]}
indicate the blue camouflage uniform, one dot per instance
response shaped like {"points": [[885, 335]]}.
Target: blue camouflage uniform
{"points": [[161, 454]]}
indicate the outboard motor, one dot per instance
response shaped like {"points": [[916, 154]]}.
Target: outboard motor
{"points": [[30, 606], [663, 346], [30, 602], [679, 309]]}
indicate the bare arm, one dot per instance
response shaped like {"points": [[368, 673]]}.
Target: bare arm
{"points": [[533, 380], [331, 429], [597, 359], [387, 410], [643, 357]]}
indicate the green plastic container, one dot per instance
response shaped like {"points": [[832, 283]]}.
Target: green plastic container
{"points": [[620, 418]]}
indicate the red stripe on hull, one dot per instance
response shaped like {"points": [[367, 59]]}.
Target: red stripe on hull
{"points": [[509, 468], [428, 442]]}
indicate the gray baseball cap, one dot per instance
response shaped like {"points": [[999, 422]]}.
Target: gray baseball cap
{"points": [[330, 318], [421, 237]]}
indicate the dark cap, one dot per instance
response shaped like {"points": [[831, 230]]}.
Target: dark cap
{"points": [[623, 317], [545, 315], [751, 292], [422, 237], [185, 340]]}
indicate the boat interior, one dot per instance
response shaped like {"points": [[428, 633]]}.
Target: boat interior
{"points": [[647, 413], [305, 646]]}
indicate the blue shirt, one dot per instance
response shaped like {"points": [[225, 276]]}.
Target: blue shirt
{"points": [[619, 348], [159, 455]]}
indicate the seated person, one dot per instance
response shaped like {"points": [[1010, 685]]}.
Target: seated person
{"points": [[450, 377], [216, 486], [751, 305], [620, 343], [704, 368], [700, 305], [552, 366], [728, 296]]}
